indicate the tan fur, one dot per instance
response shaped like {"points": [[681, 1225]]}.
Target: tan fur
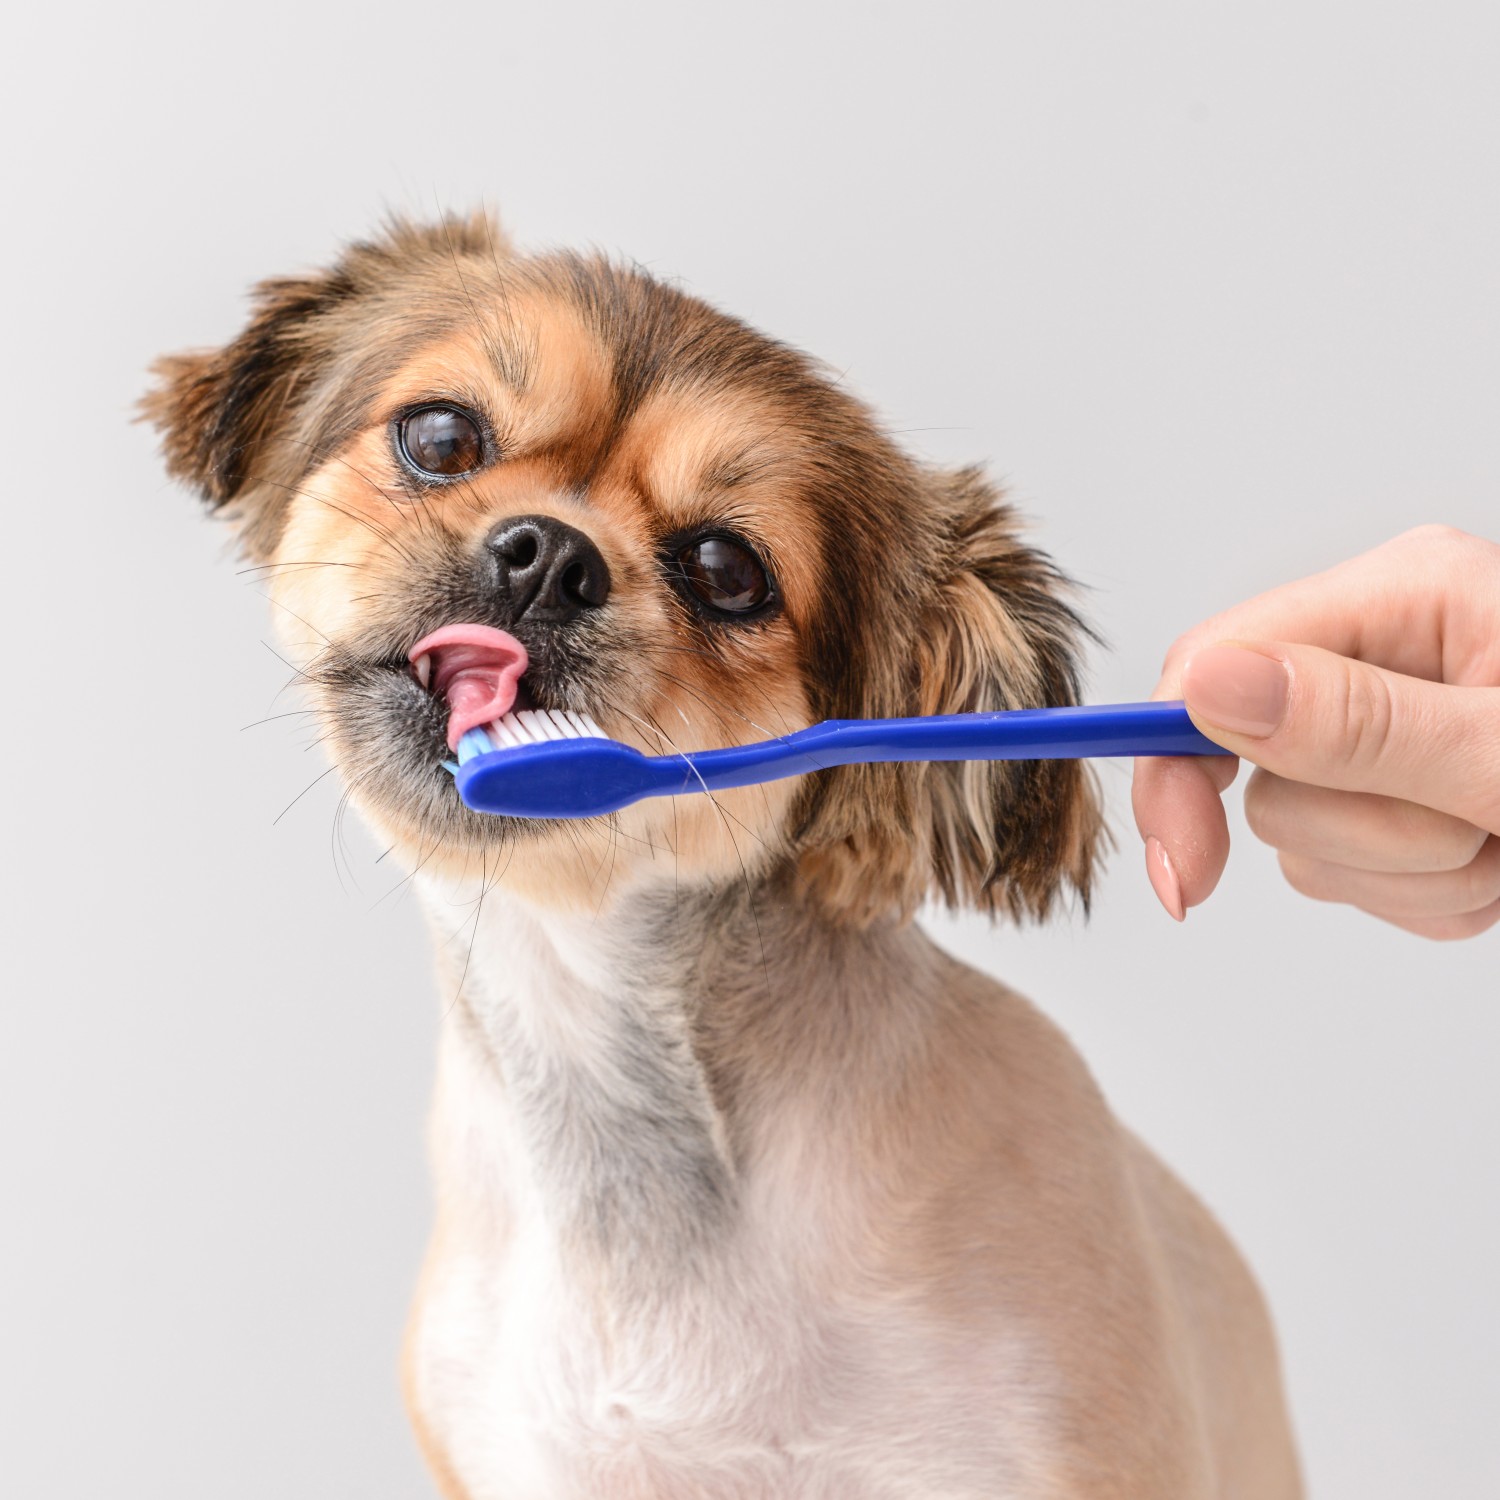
{"points": [[744, 1188]]}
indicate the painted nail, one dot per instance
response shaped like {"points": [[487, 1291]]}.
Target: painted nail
{"points": [[1164, 879], [1240, 690]]}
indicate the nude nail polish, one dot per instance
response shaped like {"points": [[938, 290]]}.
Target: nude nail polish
{"points": [[1243, 691], [1164, 879]]}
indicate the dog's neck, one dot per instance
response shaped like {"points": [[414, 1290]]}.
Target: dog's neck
{"points": [[628, 1047]]}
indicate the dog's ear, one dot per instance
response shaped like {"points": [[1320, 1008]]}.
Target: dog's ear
{"points": [[994, 631], [218, 410], [229, 418]]}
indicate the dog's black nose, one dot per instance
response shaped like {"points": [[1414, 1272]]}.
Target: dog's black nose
{"points": [[549, 570]]}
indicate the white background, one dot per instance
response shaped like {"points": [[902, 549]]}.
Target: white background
{"points": [[1216, 289]]}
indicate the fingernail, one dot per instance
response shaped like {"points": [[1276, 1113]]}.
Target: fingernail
{"points": [[1240, 690], [1164, 879]]}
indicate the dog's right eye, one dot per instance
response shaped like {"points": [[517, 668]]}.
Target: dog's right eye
{"points": [[723, 573], [440, 440]]}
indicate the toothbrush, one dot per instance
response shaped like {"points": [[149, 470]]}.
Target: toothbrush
{"points": [[554, 764]]}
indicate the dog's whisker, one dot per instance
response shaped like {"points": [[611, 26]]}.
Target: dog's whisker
{"points": [[294, 565], [458, 988], [410, 877], [720, 710], [336, 842], [310, 675], [292, 713], [712, 799], [313, 497], [614, 846], [300, 795], [319, 457], [301, 620]]}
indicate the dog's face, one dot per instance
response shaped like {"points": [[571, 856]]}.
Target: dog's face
{"points": [[696, 536]]}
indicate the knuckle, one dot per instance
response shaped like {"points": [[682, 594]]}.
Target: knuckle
{"points": [[1260, 807], [1445, 553], [1456, 845], [1436, 536], [1469, 924], [1179, 651], [1483, 875], [1306, 877], [1367, 712]]}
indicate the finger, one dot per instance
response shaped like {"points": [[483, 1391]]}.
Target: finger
{"points": [[1310, 715], [1360, 829], [1179, 812], [1432, 894], [1448, 929], [1426, 604]]}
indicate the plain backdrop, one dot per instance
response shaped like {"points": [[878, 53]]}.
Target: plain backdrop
{"points": [[1216, 290]]}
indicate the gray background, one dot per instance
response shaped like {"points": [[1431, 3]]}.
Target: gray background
{"points": [[1214, 288]]}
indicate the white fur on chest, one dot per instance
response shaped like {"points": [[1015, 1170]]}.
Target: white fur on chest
{"points": [[536, 1379], [735, 1386], [536, 1387]]}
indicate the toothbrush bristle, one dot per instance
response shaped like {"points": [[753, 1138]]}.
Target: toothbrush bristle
{"points": [[535, 726], [471, 743], [528, 726]]}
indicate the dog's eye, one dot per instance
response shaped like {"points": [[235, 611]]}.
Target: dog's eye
{"points": [[724, 574], [441, 440]]}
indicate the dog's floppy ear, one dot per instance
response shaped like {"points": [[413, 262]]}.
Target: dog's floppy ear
{"points": [[229, 418], [218, 409], [995, 631]]}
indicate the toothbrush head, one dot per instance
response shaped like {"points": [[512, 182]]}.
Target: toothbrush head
{"points": [[535, 764], [568, 779]]}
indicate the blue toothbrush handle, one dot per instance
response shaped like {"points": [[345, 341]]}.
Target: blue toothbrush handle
{"points": [[1117, 729], [581, 778]]}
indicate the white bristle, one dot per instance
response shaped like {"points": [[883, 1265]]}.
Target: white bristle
{"points": [[535, 726]]}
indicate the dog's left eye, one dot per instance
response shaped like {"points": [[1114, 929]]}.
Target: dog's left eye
{"points": [[441, 440], [724, 574]]}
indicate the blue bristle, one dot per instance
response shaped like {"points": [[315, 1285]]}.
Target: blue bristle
{"points": [[473, 742]]}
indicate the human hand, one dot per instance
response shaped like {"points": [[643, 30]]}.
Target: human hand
{"points": [[1369, 698]]}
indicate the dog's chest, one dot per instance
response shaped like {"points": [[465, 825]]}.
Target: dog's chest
{"points": [[588, 1360], [530, 1391], [615, 1310], [736, 1388]]}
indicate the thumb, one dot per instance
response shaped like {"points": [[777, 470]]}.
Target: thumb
{"points": [[1311, 715]]}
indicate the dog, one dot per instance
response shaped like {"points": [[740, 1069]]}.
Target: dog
{"points": [[745, 1188]]}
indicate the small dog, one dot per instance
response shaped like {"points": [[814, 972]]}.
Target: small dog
{"points": [[744, 1187]]}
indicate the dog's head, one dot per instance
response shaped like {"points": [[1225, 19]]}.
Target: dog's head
{"points": [[698, 538]]}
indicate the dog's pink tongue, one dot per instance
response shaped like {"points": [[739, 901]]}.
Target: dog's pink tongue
{"points": [[477, 669]]}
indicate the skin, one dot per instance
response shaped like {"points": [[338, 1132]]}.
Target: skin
{"points": [[1368, 699]]}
